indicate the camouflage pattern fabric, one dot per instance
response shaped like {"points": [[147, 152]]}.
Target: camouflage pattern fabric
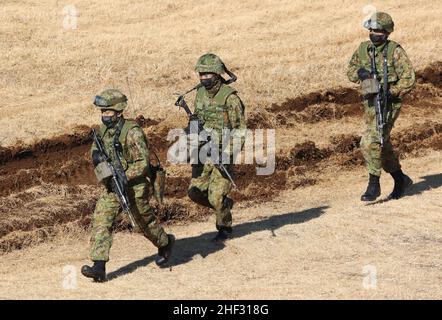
{"points": [[135, 153], [210, 63], [212, 182], [111, 99], [220, 108], [401, 78], [377, 158], [380, 21], [135, 162]]}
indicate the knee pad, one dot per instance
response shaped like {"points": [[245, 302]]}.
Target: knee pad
{"points": [[197, 196]]}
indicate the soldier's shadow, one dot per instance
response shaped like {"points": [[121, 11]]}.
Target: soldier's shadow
{"points": [[429, 182], [187, 248]]}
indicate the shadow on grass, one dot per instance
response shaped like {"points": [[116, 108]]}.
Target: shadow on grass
{"points": [[185, 249]]}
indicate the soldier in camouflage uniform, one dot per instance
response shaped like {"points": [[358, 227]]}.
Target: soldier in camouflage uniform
{"points": [[124, 139], [219, 107], [401, 80]]}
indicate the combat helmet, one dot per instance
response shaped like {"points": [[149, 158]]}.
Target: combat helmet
{"points": [[380, 21], [111, 99], [210, 62]]}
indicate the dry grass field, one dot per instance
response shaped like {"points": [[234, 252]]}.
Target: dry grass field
{"points": [[279, 49], [301, 232]]}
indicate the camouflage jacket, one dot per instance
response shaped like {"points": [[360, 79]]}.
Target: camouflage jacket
{"points": [[221, 108], [134, 155], [401, 76]]}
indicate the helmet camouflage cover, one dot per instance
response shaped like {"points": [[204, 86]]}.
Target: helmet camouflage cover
{"points": [[211, 63], [111, 99], [380, 21]]}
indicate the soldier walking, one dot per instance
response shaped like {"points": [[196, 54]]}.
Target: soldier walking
{"points": [[218, 106], [392, 64], [127, 146]]}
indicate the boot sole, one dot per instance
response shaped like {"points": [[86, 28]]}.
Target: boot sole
{"points": [[366, 199]]}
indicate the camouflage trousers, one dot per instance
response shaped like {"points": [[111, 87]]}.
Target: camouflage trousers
{"points": [[377, 158], [107, 209], [209, 180]]}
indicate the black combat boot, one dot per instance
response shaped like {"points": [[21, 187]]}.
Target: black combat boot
{"points": [[96, 272], [223, 234], [165, 252], [373, 189], [223, 231], [401, 183]]}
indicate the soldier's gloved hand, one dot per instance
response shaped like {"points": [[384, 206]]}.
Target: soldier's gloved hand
{"points": [[108, 184], [96, 158], [363, 74]]}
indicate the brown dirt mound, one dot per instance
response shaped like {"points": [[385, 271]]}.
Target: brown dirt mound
{"points": [[261, 118], [337, 96], [177, 187], [61, 160], [418, 138], [70, 166], [431, 74], [345, 143], [145, 123], [80, 135], [340, 102], [344, 150]]}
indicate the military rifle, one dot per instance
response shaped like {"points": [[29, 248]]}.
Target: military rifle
{"points": [[181, 103], [381, 99], [117, 176]]}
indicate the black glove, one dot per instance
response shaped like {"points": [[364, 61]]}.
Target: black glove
{"points": [[364, 74], [96, 158], [108, 184]]}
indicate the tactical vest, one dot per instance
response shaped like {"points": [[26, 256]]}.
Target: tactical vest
{"points": [[365, 58], [109, 141], [213, 111]]}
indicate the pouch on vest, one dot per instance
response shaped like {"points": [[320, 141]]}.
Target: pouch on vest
{"points": [[103, 171], [158, 180], [369, 87]]}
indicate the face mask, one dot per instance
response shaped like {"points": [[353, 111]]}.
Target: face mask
{"points": [[208, 83], [378, 38], [109, 121]]}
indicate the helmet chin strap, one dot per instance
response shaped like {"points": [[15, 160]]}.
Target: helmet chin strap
{"points": [[232, 79], [232, 76]]}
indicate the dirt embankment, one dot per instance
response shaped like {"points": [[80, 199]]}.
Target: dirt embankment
{"points": [[341, 102]]}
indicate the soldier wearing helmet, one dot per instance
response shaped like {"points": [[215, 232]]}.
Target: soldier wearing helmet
{"points": [[127, 146], [392, 64], [219, 107]]}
